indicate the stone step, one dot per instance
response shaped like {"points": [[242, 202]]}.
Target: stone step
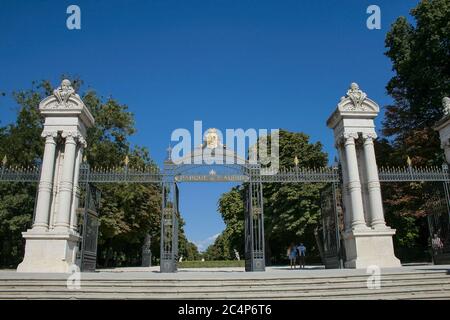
{"points": [[227, 281], [221, 283], [238, 292], [403, 285], [441, 292], [192, 287]]}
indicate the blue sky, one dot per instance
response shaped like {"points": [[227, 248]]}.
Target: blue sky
{"points": [[229, 63]]}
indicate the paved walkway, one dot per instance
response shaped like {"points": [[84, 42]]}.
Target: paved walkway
{"points": [[136, 273]]}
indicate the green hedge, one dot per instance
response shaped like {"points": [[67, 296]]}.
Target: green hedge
{"points": [[211, 264]]}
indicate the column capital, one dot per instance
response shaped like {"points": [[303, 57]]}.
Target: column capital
{"points": [[369, 137], [49, 135], [349, 137], [73, 137], [73, 134], [344, 138]]}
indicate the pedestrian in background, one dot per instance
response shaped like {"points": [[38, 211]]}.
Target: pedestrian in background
{"points": [[292, 253], [301, 252]]}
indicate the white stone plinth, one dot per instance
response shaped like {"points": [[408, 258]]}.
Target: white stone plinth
{"points": [[49, 251], [370, 247]]}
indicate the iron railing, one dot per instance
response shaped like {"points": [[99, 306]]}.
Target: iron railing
{"points": [[151, 174]]}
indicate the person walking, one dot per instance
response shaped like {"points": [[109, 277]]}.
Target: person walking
{"points": [[292, 253], [301, 251]]}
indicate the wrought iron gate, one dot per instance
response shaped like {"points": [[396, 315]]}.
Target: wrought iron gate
{"points": [[89, 228], [254, 228], [438, 215], [169, 227], [328, 234]]}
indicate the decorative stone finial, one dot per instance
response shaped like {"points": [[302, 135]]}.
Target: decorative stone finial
{"points": [[446, 106], [356, 95], [64, 92]]}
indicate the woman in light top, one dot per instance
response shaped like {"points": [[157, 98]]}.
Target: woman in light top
{"points": [[292, 253]]}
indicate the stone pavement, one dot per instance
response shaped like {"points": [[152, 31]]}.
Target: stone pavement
{"points": [[224, 273]]}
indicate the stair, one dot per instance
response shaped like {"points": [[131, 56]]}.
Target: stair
{"points": [[403, 285]]}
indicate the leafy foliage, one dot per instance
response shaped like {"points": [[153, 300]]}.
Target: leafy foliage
{"points": [[291, 211], [420, 56]]}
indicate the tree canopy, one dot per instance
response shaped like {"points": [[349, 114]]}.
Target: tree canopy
{"points": [[420, 55], [291, 211]]}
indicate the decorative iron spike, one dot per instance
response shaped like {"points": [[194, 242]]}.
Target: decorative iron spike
{"points": [[126, 160]]}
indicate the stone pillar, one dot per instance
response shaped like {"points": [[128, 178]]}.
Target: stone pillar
{"points": [[76, 188], [364, 245], [51, 247], [354, 183], [345, 191], [41, 219], [373, 184], [66, 184]]}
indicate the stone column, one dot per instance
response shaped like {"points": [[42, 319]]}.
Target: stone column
{"points": [[66, 183], [345, 192], [76, 188], [354, 183], [373, 184], [41, 219]]}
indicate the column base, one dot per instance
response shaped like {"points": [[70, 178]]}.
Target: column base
{"points": [[49, 251], [252, 265], [364, 248], [168, 266]]}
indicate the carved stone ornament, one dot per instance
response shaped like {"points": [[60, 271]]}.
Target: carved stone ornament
{"points": [[63, 94], [356, 96], [446, 106]]}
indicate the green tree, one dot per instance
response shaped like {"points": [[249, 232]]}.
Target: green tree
{"points": [[420, 58], [291, 211], [420, 55]]}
